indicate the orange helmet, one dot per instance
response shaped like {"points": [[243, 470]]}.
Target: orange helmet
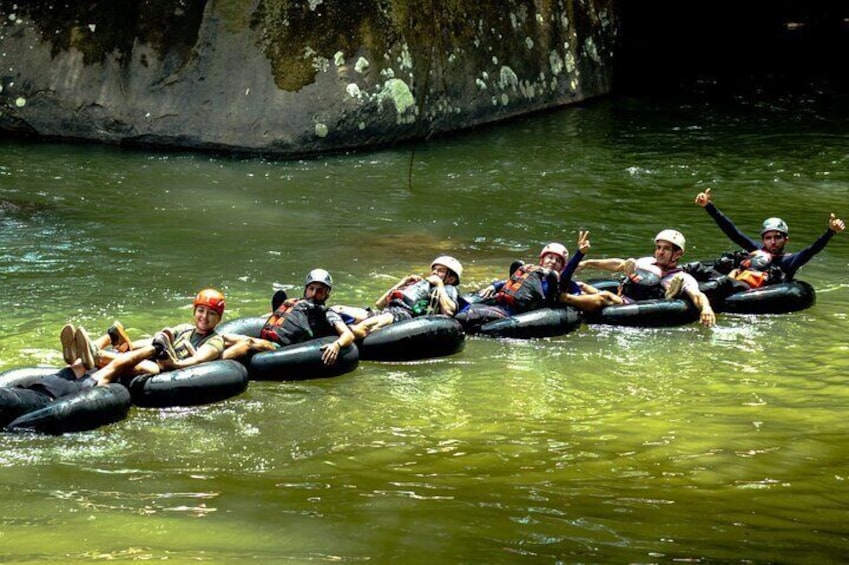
{"points": [[212, 299]]}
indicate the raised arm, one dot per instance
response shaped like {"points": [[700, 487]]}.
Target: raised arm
{"points": [[725, 224], [583, 246], [791, 262]]}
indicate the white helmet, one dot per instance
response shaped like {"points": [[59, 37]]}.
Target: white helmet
{"points": [[320, 276], [775, 224], [450, 263], [674, 237], [557, 248]]}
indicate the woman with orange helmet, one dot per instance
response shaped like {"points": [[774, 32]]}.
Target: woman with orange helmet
{"points": [[180, 346]]}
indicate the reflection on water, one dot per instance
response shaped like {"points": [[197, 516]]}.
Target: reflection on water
{"points": [[606, 445]]}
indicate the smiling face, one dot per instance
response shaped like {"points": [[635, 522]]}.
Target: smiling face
{"points": [[205, 319], [774, 241], [666, 254], [317, 292], [552, 261]]}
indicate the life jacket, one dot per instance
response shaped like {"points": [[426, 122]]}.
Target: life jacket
{"points": [[757, 269], [415, 297], [645, 284], [296, 320], [186, 341], [759, 260], [524, 290]]}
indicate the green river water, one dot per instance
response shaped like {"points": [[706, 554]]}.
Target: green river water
{"points": [[607, 445]]}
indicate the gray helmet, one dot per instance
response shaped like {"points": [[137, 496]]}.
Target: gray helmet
{"points": [[321, 276], [774, 224]]}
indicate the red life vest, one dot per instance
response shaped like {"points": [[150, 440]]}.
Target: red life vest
{"points": [[524, 290]]}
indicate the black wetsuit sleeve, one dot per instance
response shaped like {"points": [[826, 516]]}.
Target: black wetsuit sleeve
{"points": [[730, 230], [791, 262], [569, 271]]}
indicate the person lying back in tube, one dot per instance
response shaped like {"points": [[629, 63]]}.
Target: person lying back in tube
{"points": [[81, 355], [659, 276], [183, 345], [530, 287], [296, 320], [411, 297]]}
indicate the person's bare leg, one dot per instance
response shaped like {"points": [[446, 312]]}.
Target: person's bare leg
{"points": [[242, 347], [124, 363], [368, 325]]}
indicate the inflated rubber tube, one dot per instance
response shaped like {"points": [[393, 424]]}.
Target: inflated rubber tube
{"points": [[199, 384], [647, 314], [78, 412], [302, 361], [780, 298], [250, 326], [469, 298], [545, 322], [418, 338], [611, 285], [25, 376]]}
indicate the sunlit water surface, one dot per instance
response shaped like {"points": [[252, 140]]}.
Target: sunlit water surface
{"points": [[605, 445]]}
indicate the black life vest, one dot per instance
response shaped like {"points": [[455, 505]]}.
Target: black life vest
{"points": [[295, 321], [643, 285], [524, 290]]}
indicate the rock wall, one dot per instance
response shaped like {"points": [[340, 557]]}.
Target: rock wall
{"points": [[292, 77]]}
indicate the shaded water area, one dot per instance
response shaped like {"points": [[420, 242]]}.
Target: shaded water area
{"points": [[605, 445]]}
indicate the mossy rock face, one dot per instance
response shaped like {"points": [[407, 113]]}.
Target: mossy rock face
{"points": [[99, 29], [292, 76]]}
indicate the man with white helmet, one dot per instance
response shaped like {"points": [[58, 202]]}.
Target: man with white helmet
{"points": [[658, 276], [296, 320], [411, 297], [769, 251]]}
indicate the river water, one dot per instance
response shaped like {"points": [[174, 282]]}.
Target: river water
{"points": [[606, 445]]}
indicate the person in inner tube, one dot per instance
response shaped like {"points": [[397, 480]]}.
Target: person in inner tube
{"points": [[579, 294], [531, 287], [181, 346], [764, 261], [658, 276], [15, 401], [411, 297], [82, 356], [295, 320]]}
